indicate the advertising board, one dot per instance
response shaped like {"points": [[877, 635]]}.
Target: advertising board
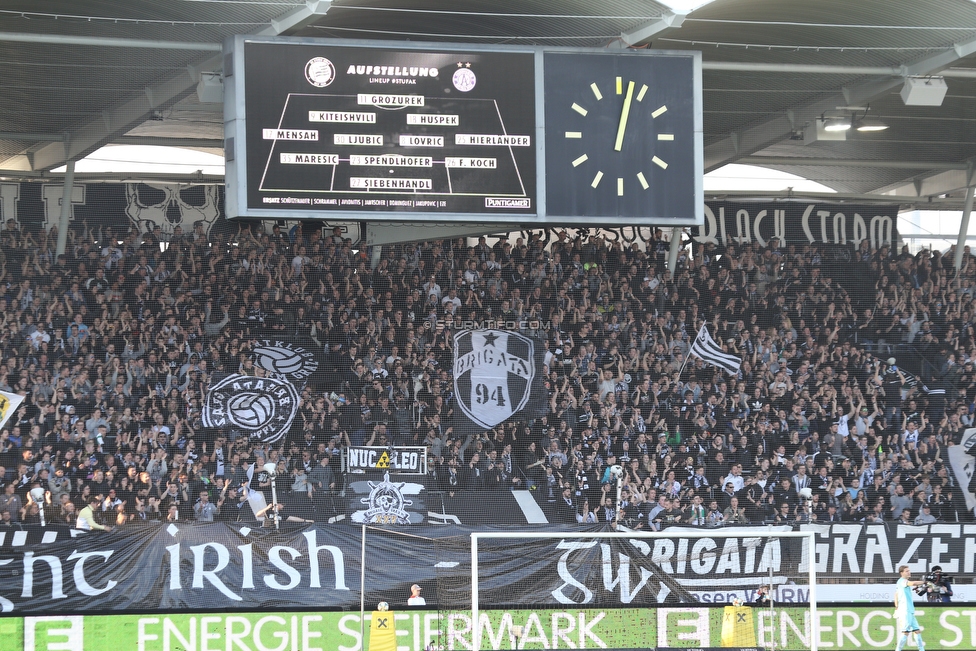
{"points": [[787, 628]]}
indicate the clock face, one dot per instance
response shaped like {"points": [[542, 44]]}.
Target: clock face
{"points": [[620, 136]]}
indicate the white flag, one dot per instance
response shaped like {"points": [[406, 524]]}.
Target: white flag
{"points": [[706, 349]]}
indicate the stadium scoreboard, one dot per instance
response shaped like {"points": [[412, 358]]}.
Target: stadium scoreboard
{"points": [[408, 132]]}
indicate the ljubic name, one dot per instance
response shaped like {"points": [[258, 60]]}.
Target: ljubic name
{"points": [[209, 560]]}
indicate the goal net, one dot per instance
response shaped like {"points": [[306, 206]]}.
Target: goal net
{"points": [[678, 588]]}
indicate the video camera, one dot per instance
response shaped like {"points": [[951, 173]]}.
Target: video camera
{"points": [[933, 584], [935, 577]]}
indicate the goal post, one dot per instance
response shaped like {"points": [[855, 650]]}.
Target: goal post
{"points": [[741, 558]]}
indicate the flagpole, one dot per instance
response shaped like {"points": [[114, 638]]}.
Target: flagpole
{"points": [[681, 370], [688, 355]]}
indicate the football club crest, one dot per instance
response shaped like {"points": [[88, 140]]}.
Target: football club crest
{"points": [[493, 374], [262, 408], [319, 72]]}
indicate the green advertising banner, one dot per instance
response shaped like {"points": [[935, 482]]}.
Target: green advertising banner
{"points": [[673, 627]]}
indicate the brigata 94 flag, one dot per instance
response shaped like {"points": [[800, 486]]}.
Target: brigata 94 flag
{"points": [[497, 374]]}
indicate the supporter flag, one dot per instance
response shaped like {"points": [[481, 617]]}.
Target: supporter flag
{"points": [[299, 361], [386, 501], [260, 408], [709, 351], [8, 405], [497, 374]]}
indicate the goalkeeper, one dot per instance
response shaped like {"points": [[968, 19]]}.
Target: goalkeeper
{"points": [[905, 609]]}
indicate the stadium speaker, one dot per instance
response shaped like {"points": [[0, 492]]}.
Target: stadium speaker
{"points": [[210, 88], [924, 91]]}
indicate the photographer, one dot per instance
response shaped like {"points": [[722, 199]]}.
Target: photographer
{"points": [[764, 596], [938, 586]]}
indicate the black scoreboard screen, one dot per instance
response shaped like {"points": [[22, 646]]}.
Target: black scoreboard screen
{"points": [[332, 128]]}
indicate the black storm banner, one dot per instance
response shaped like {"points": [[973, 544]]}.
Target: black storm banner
{"points": [[167, 567], [728, 222], [497, 374]]}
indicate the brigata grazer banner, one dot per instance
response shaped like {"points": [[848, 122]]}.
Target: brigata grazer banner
{"points": [[786, 628]]}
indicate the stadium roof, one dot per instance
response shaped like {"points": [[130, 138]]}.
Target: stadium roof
{"points": [[80, 75]]}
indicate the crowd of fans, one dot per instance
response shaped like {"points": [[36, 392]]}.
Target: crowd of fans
{"points": [[114, 345]]}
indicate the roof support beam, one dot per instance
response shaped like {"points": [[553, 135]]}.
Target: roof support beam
{"points": [[807, 69], [646, 30], [31, 137], [839, 162], [297, 18], [162, 141], [759, 136], [117, 120], [921, 203], [932, 186], [105, 41]]}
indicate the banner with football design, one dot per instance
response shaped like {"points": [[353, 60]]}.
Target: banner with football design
{"points": [[291, 358], [260, 408], [497, 374]]}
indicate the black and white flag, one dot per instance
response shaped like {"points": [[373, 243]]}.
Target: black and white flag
{"points": [[260, 408], [497, 374], [291, 358], [386, 502], [709, 351]]}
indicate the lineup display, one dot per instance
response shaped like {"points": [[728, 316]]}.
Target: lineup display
{"points": [[401, 132], [389, 130]]}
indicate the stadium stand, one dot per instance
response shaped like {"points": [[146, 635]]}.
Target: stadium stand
{"points": [[855, 379]]}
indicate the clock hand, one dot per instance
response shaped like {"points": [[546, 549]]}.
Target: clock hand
{"points": [[624, 114]]}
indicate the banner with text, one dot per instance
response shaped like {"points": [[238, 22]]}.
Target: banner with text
{"points": [[734, 222], [405, 460], [167, 567], [787, 628]]}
